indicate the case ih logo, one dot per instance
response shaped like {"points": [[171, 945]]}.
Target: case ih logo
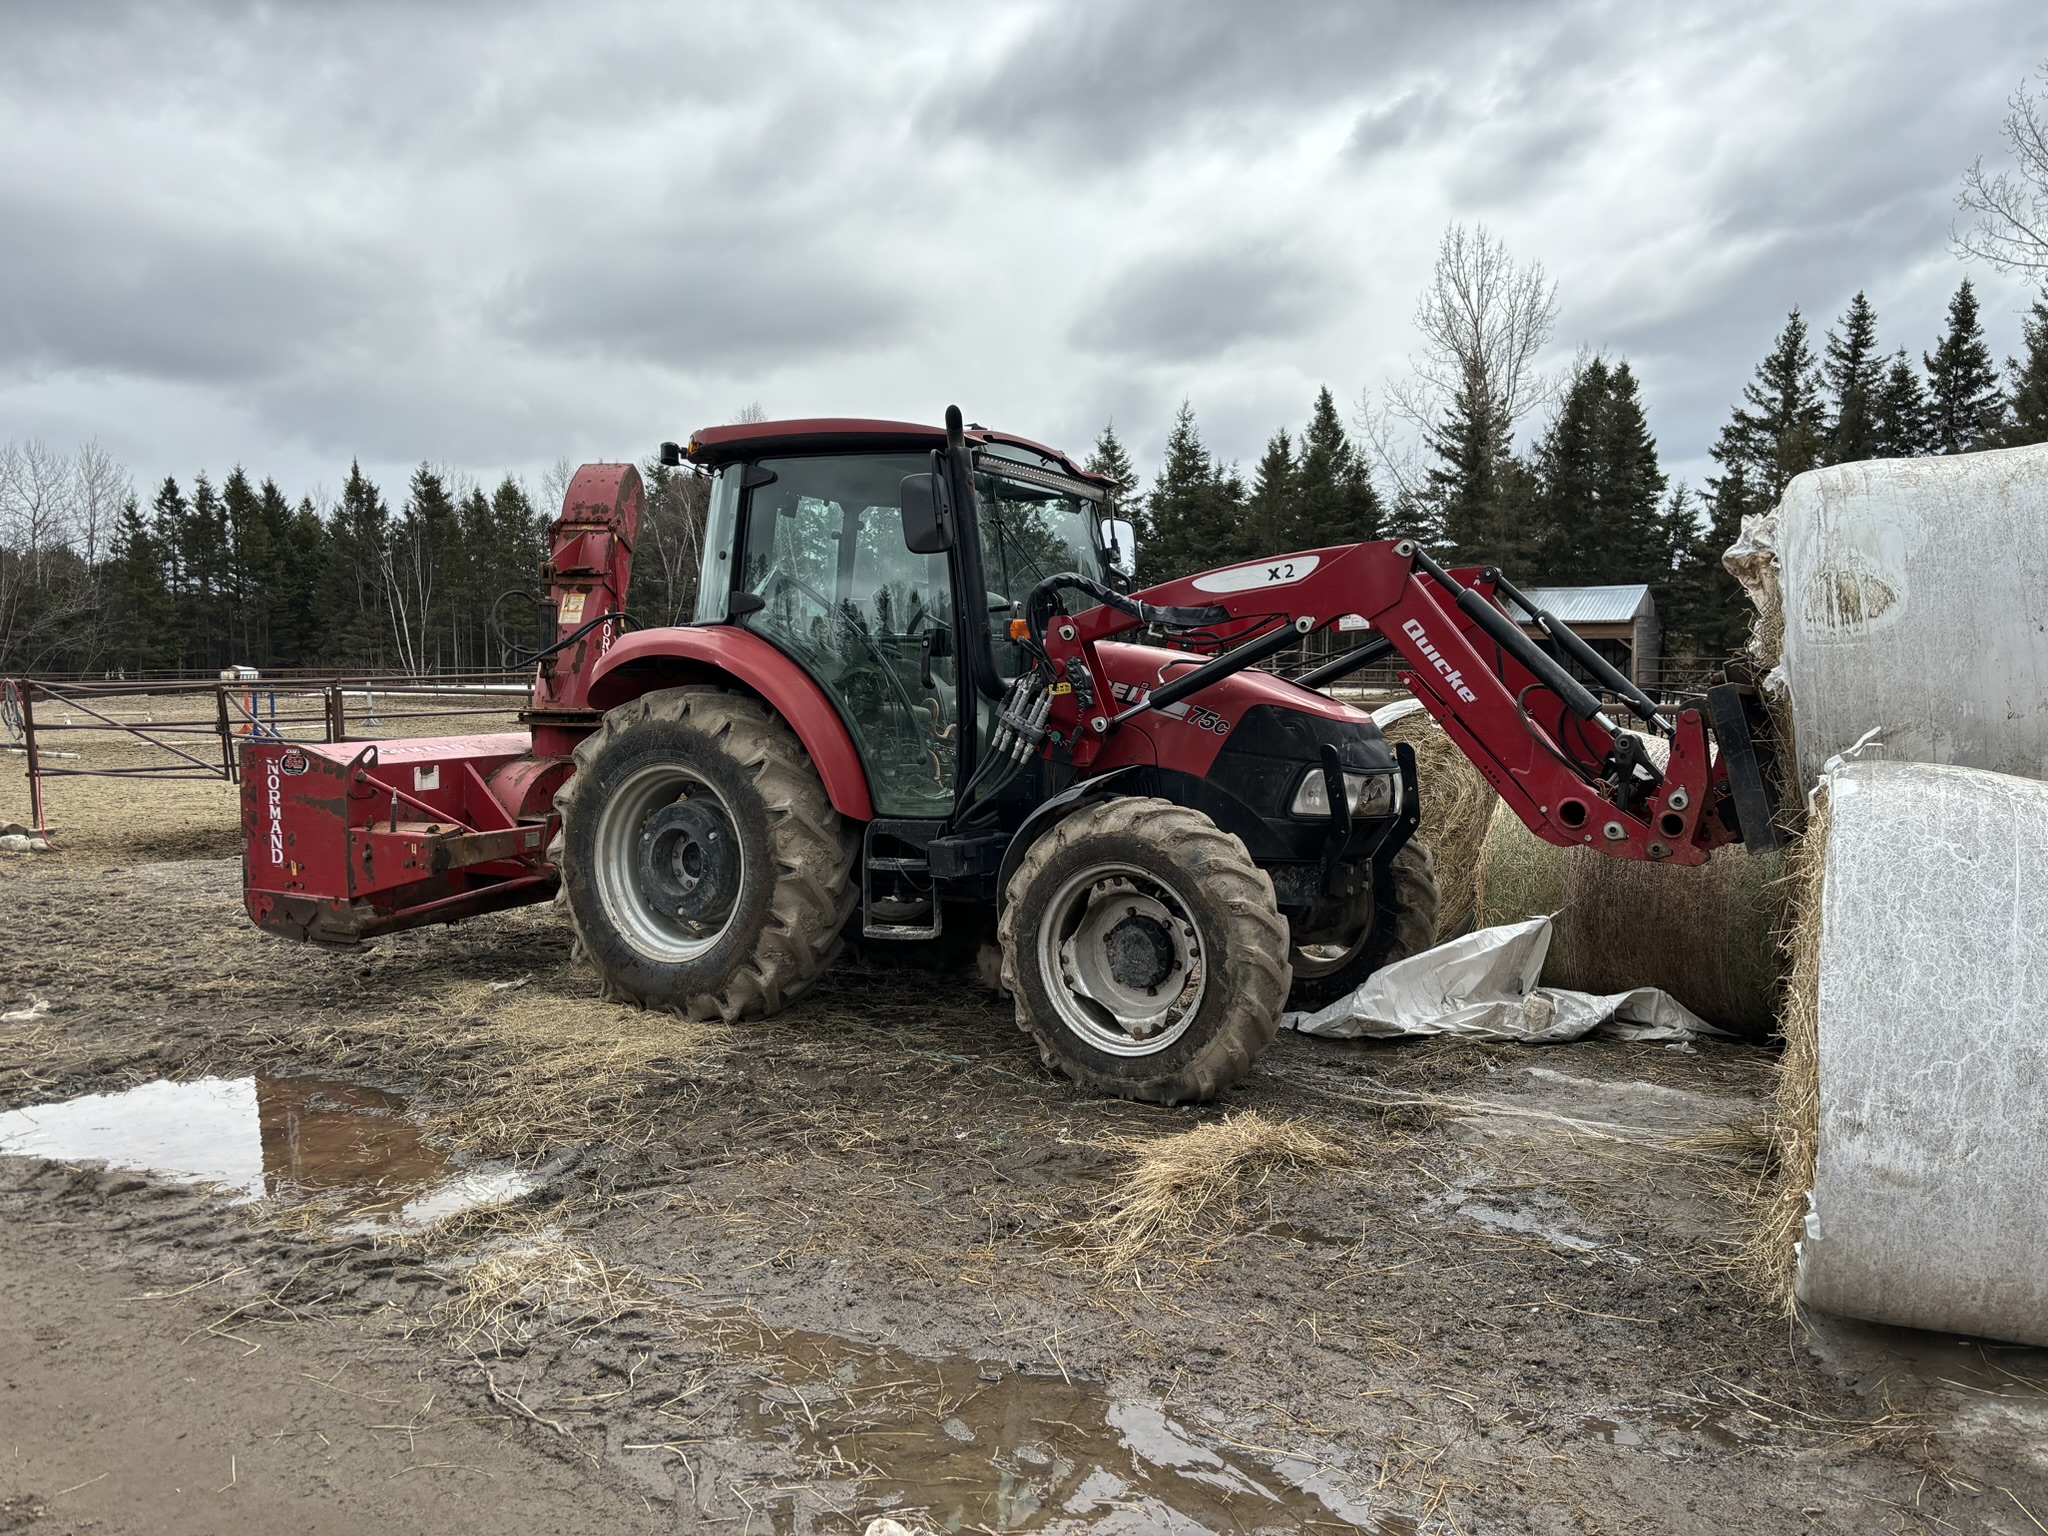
{"points": [[1451, 674], [1190, 714]]}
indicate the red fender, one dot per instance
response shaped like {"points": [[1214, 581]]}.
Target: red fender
{"points": [[664, 658]]}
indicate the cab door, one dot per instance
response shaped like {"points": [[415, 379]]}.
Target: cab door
{"points": [[874, 624]]}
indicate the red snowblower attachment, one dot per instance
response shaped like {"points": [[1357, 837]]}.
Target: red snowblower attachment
{"points": [[346, 840]]}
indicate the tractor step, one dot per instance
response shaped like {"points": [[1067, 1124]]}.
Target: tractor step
{"points": [[897, 897]]}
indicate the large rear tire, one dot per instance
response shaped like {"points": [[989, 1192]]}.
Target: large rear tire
{"points": [[1397, 920], [703, 865], [1145, 952]]}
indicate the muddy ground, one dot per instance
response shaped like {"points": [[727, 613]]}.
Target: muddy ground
{"points": [[854, 1262]]}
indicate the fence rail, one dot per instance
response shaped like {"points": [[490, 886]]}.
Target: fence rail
{"points": [[204, 721]]}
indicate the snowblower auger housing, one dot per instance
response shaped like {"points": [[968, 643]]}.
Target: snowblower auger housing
{"points": [[919, 711]]}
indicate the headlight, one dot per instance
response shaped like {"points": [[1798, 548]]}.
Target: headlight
{"points": [[1368, 794]]}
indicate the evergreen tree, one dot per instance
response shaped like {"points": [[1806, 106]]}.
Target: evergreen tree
{"points": [[1965, 407], [418, 561], [1334, 501], [1472, 491], [1779, 431], [169, 513], [1598, 485], [1855, 376], [1704, 609], [1899, 429], [286, 586], [249, 574], [1276, 489], [140, 606], [352, 598], [1709, 608], [1109, 460], [1195, 510], [2028, 421]]}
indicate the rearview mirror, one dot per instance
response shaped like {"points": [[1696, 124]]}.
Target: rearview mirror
{"points": [[927, 514], [1121, 540]]}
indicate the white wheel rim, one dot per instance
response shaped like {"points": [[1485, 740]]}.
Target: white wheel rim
{"points": [[661, 936], [1108, 931]]}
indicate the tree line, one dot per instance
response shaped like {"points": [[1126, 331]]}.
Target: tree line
{"points": [[1586, 502], [206, 576]]}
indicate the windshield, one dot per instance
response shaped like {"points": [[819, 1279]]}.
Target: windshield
{"points": [[1031, 531], [1034, 524]]}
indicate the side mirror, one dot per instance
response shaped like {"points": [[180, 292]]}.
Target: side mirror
{"points": [[1120, 539], [927, 514]]}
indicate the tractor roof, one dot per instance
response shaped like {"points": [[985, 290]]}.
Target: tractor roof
{"points": [[713, 446]]}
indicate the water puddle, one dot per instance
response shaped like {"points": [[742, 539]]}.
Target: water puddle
{"points": [[263, 1137], [966, 1445]]}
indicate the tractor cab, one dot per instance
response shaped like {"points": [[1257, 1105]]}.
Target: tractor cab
{"points": [[891, 570]]}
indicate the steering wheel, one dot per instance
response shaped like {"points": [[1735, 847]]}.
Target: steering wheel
{"points": [[776, 574]]}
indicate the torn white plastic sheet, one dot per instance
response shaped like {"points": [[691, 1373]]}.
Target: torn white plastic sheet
{"points": [[1484, 985], [1928, 1205]]}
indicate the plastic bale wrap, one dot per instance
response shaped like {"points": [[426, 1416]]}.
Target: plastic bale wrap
{"points": [[1907, 595], [1457, 804], [1931, 1012], [1707, 934]]}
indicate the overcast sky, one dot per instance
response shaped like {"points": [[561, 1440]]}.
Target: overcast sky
{"points": [[491, 236]]}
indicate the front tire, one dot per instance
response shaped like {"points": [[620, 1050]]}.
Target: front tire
{"points": [[1145, 952], [1398, 920], [704, 867]]}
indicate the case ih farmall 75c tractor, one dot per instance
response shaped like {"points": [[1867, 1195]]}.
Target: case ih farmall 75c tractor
{"points": [[903, 716]]}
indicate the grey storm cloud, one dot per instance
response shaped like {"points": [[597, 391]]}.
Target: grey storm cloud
{"points": [[1181, 307], [495, 235], [1102, 83]]}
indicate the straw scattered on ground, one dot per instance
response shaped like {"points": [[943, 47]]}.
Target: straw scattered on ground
{"points": [[1185, 1190], [531, 1067]]}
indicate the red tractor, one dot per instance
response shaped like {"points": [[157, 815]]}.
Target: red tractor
{"points": [[903, 717]]}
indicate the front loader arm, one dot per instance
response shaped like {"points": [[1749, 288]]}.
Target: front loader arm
{"points": [[1542, 740]]}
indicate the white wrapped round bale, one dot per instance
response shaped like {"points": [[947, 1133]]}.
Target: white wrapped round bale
{"points": [[1913, 595], [1929, 1011]]}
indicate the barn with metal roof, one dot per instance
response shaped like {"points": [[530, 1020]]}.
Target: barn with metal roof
{"points": [[1619, 622]]}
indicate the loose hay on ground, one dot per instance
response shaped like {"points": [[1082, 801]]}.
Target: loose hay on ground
{"points": [[529, 1071], [1196, 1182]]}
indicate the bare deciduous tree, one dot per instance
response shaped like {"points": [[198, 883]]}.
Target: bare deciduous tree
{"points": [[671, 543], [1483, 321], [554, 488], [2011, 207], [56, 514]]}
